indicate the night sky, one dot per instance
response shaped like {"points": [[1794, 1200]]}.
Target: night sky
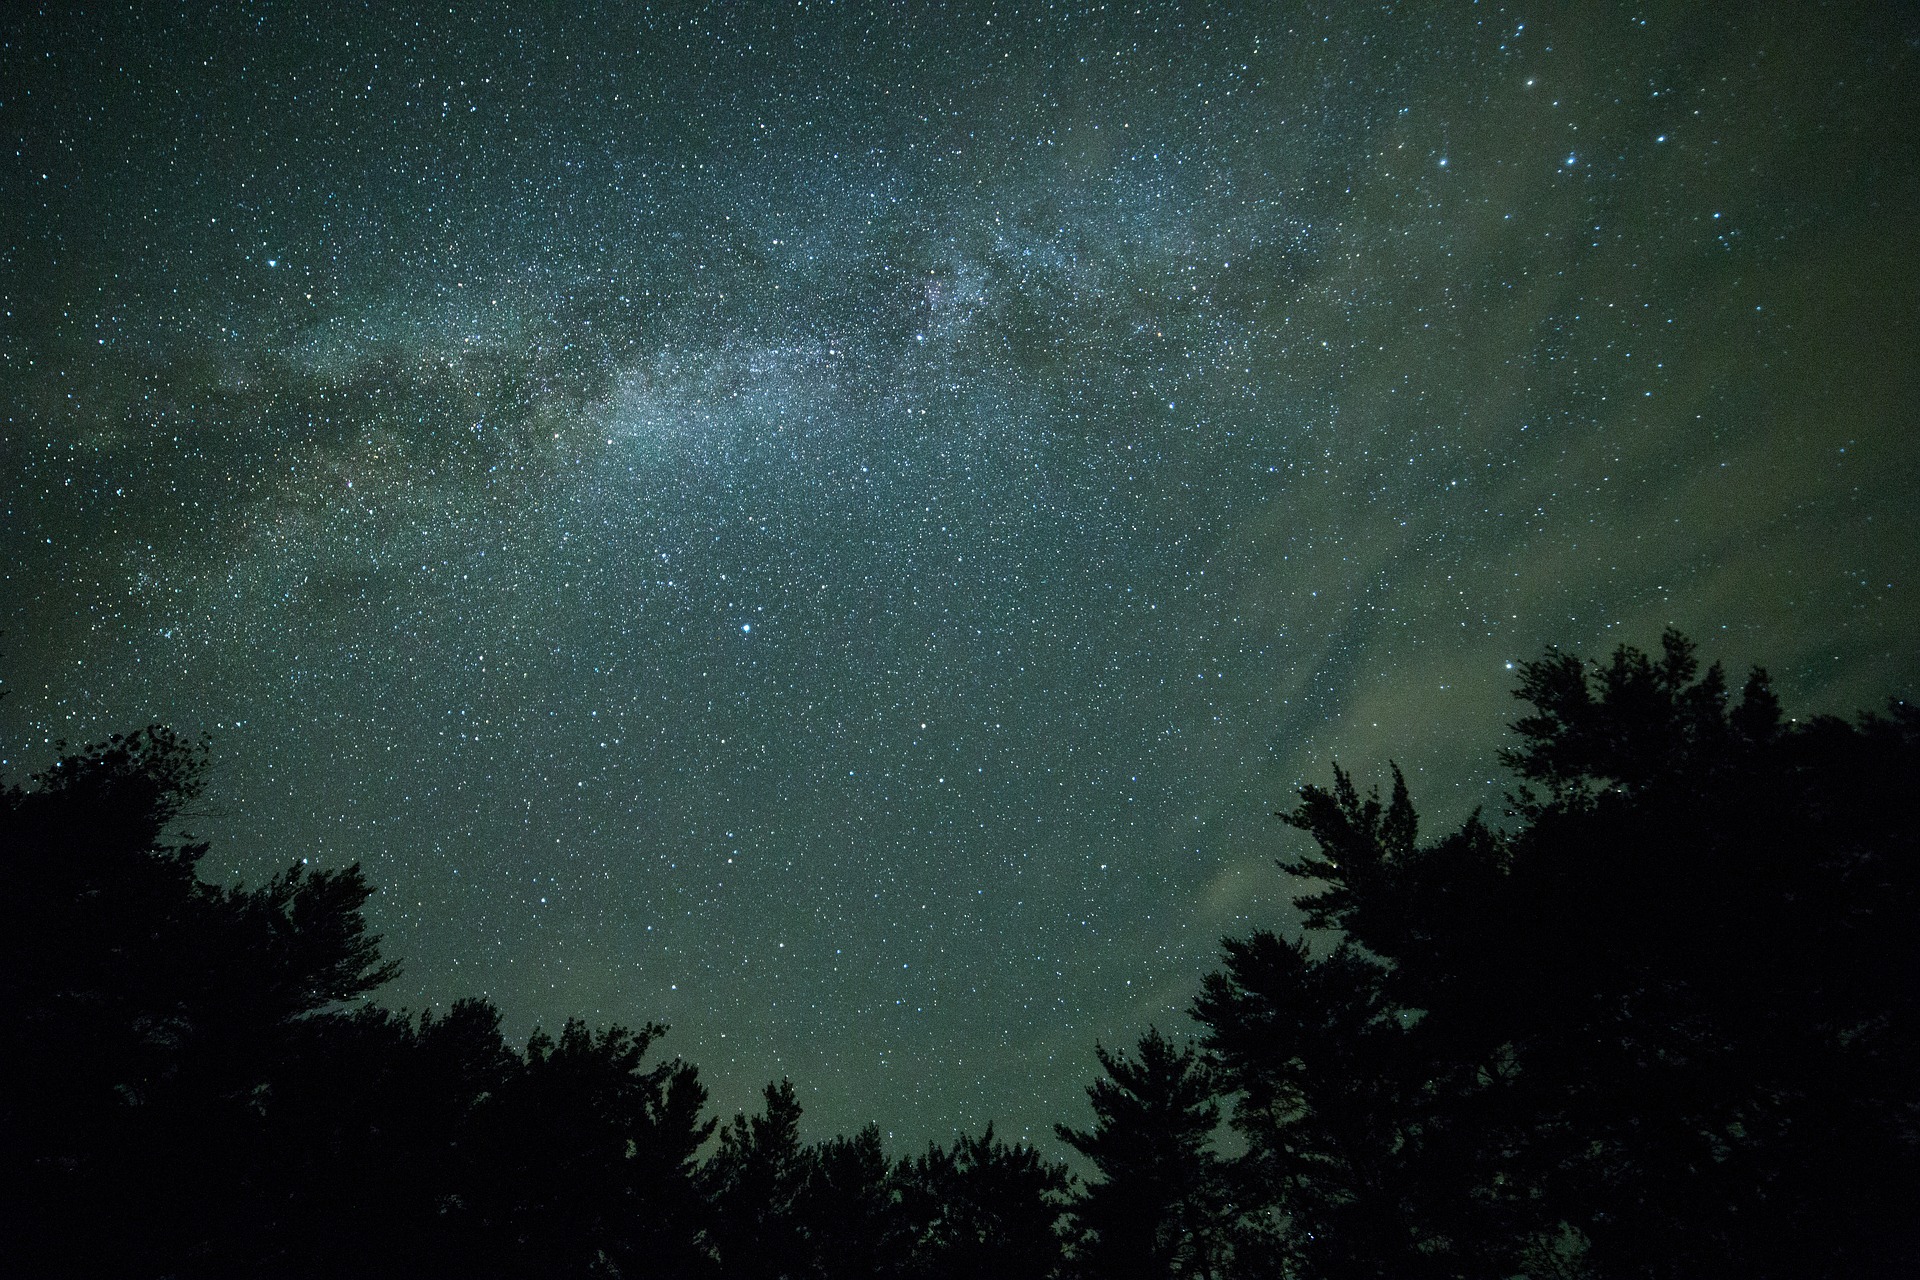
{"points": [[834, 527]]}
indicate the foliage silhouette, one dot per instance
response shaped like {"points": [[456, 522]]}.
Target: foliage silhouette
{"points": [[196, 1065], [1665, 1027], [842, 1208], [983, 1208], [850, 1205], [1160, 1205], [146, 1006], [191, 1064], [755, 1181]]}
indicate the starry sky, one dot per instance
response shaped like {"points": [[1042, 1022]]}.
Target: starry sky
{"points": [[834, 526]]}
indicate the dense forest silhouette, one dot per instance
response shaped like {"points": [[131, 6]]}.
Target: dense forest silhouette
{"points": [[1663, 1024]]}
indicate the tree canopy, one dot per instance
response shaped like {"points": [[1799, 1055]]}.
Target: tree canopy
{"points": [[1659, 1022], [1665, 1026]]}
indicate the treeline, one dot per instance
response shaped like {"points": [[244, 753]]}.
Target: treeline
{"points": [[1662, 1026]]}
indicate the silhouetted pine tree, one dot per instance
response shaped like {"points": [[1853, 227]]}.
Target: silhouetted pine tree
{"points": [[983, 1208], [850, 1212], [1324, 1095], [1666, 1027], [1159, 1206]]}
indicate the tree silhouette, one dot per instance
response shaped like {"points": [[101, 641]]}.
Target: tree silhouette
{"points": [[851, 1213], [1667, 1024], [368, 1158], [143, 1005], [1664, 1027], [194, 1064], [1326, 1098], [587, 1157], [755, 1180], [187, 1063], [1159, 1208], [983, 1208]]}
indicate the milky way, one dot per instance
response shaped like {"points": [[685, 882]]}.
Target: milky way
{"points": [[835, 527]]}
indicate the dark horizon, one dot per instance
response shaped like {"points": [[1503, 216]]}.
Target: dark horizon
{"points": [[836, 531]]}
